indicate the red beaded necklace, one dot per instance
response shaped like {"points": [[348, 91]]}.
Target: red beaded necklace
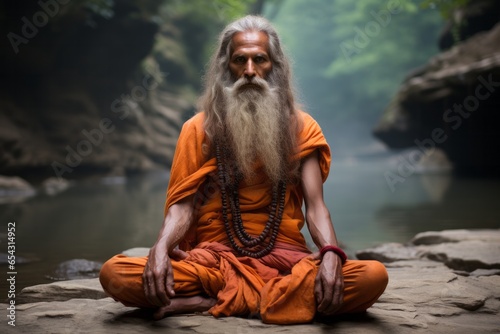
{"points": [[261, 245]]}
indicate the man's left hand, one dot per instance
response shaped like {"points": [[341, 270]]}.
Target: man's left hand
{"points": [[329, 284]]}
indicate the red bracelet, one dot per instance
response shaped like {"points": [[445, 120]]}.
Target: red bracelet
{"points": [[336, 250]]}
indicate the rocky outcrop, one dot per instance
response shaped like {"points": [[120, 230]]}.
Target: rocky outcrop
{"points": [[452, 101], [429, 291], [476, 16], [14, 189], [89, 288], [461, 250], [81, 94], [76, 269]]}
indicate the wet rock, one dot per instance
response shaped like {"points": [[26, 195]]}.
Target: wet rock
{"points": [[433, 162], [389, 252], [53, 185], [14, 189], [106, 105], [466, 255], [461, 250], [14, 183], [485, 272], [76, 269], [423, 296], [62, 291], [433, 237]]}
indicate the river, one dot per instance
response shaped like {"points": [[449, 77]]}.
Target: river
{"points": [[98, 218]]}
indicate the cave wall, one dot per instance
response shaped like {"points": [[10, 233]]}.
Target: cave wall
{"points": [[82, 92]]}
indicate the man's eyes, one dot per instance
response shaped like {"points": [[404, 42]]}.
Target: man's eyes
{"points": [[259, 59], [242, 60]]}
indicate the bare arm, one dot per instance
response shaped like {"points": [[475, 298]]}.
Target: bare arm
{"points": [[318, 218], [158, 281], [329, 284], [177, 222]]}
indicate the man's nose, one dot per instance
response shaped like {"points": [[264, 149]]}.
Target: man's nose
{"points": [[249, 69]]}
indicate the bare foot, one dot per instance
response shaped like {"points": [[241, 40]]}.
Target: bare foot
{"points": [[185, 305]]}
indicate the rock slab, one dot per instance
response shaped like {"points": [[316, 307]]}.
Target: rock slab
{"points": [[425, 295]]}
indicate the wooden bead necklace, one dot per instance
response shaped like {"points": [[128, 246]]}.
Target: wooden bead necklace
{"points": [[261, 245]]}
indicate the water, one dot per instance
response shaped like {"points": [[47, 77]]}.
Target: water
{"points": [[95, 220]]}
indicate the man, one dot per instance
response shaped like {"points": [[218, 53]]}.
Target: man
{"points": [[231, 242]]}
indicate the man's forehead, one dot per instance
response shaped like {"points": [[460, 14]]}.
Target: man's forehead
{"points": [[250, 39]]}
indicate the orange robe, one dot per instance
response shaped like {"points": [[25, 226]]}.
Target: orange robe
{"points": [[278, 286]]}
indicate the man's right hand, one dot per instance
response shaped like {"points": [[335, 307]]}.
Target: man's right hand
{"points": [[158, 278]]}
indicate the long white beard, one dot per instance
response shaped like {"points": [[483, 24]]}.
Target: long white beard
{"points": [[254, 125]]}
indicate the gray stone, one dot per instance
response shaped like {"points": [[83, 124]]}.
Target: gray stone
{"points": [[434, 162], [61, 291], [136, 252], [418, 264], [433, 237], [423, 296], [14, 183], [485, 272], [461, 250], [76, 269], [388, 253], [53, 185], [466, 255], [14, 189]]}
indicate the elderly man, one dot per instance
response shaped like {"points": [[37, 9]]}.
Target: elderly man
{"points": [[231, 242]]}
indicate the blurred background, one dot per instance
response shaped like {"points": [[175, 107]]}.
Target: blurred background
{"points": [[93, 94]]}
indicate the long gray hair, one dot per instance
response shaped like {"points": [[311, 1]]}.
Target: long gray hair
{"points": [[219, 76]]}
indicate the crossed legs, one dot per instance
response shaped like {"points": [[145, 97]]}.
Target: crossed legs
{"points": [[121, 278]]}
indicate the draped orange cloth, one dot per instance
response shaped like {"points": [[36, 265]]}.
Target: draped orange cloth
{"points": [[278, 286], [192, 172]]}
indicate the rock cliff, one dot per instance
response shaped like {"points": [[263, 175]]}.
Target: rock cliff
{"points": [[82, 90], [452, 102]]}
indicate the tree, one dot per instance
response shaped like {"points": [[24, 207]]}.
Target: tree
{"points": [[350, 56]]}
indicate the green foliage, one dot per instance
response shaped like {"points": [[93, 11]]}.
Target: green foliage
{"points": [[188, 31], [222, 10], [445, 7], [351, 56]]}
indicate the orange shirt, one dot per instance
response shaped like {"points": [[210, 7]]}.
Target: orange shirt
{"points": [[280, 285], [193, 172]]}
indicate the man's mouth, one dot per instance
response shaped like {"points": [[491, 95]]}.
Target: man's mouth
{"points": [[250, 85]]}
